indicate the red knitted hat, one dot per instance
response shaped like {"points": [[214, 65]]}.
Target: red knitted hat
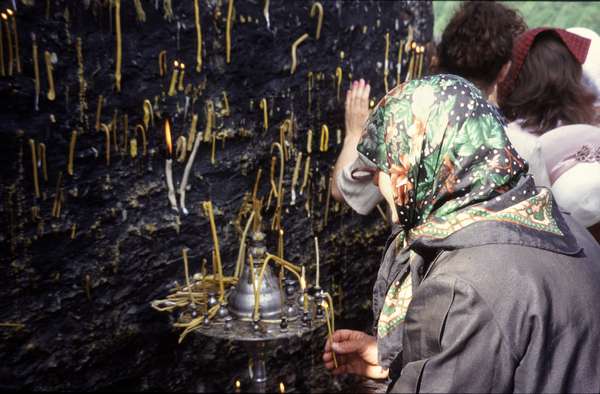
{"points": [[577, 45]]}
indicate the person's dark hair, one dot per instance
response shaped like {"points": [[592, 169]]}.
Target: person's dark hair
{"points": [[478, 41], [549, 90]]}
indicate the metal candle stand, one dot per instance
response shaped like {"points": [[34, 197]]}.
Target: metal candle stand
{"points": [[281, 312]]}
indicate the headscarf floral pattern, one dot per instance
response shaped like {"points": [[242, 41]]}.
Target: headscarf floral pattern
{"points": [[443, 149]]}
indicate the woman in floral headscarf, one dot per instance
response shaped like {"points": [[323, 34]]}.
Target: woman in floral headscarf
{"points": [[482, 278]]}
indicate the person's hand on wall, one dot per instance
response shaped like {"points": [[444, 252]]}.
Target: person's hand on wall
{"points": [[357, 109], [356, 353], [357, 112]]}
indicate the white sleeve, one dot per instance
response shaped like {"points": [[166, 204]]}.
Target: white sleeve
{"points": [[358, 191]]}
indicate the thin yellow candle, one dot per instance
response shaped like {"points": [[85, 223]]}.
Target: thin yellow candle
{"points": [[226, 110], [318, 262], [330, 329], [399, 64], [72, 152], [119, 48], [309, 139], [228, 31], [106, 130], [295, 175], [386, 62], [180, 86], [148, 113], [422, 53], [209, 211], [192, 132], [42, 150], [303, 288], [10, 45], [36, 184], [36, 70], [198, 37], [263, 105], [324, 145], [210, 115], [162, 63], [51, 95], [172, 86], [410, 63], [294, 48], [338, 76], [255, 190], [306, 174], [317, 7], [140, 129], [184, 252], [14, 29]]}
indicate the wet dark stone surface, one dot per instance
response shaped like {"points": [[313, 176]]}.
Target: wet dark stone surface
{"points": [[100, 333]]}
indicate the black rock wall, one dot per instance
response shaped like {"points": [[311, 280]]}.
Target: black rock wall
{"points": [[74, 304]]}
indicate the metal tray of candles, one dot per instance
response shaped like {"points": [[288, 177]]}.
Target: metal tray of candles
{"points": [[257, 309]]}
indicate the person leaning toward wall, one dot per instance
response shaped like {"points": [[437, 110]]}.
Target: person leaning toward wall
{"points": [[553, 108], [482, 276], [476, 45]]}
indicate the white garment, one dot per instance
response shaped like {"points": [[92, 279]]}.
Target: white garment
{"points": [[591, 67], [576, 190], [529, 148]]}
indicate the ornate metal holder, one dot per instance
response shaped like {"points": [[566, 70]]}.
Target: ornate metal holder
{"points": [[282, 312]]}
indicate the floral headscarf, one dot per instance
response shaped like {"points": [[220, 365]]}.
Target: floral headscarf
{"points": [[446, 166]]}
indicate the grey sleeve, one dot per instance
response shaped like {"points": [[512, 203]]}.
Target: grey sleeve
{"points": [[452, 343], [361, 194]]}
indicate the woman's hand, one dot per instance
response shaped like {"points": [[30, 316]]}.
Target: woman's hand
{"points": [[356, 353], [357, 108]]}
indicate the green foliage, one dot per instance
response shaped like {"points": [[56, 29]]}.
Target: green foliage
{"points": [[563, 14]]}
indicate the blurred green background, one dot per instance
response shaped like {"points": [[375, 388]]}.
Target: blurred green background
{"points": [[563, 14]]}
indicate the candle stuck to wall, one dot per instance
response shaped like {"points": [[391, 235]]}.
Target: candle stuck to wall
{"points": [[399, 64], [317, 7], [386, 61], [263, 105], [294, 49], [13, 17], [317, 279], [36, 71], [181, 75], [71, 152], [228, 31], [208, 210], [106, 130], [198, 37], [51, 95], [324, 143], [173, 83], [169, 166], [338, 76], [162, 63], [34, 168], [5, 22]]}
